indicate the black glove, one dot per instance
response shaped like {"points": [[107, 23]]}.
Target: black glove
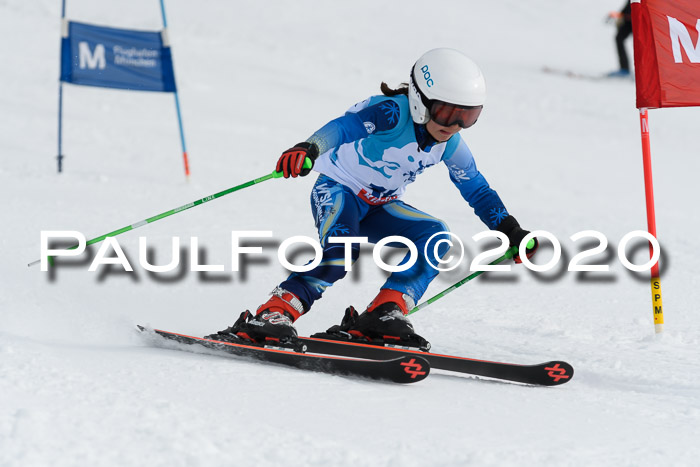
{"points": [[292, 160], [515, 234]]}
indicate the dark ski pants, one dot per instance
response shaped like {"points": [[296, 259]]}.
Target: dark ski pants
{"points": [[623, 32]]}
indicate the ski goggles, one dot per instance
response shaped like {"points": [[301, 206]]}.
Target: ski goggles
{"points": [[445, 114]]}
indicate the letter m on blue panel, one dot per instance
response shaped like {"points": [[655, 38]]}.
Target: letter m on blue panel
{"points": [[116, 58]]}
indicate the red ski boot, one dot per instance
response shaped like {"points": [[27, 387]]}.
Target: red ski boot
{"points": [[383, 323], [385, 317], [272, 321]]}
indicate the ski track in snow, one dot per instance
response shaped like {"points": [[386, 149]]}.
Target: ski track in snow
{"points": [[78, 386]]}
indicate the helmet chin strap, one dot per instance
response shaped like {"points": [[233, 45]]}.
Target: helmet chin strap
{"points": [[417, 100]]}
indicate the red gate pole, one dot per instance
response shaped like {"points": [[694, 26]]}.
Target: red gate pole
{"points": [[651, 221]]}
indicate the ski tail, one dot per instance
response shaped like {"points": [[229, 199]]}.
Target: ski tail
{"points": [[398, 368]]}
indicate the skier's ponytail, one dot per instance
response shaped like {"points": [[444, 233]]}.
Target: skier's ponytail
{"points": [[387, 91]]}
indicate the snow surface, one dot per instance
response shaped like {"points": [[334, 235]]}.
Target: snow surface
{"points": [[79, 387]]}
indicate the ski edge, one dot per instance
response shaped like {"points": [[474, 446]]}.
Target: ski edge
{"points": [[551, 373], [403, 369]]}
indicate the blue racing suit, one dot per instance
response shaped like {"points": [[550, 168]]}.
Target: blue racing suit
{"points": [[368, 156]]}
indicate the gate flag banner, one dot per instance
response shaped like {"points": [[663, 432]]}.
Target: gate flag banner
{"points": [[116, 58], [667, 52]]}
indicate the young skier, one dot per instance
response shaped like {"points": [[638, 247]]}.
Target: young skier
{"points": [[365, 159]]}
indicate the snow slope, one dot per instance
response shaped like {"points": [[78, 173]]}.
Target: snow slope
{"points": [[78, 387]]}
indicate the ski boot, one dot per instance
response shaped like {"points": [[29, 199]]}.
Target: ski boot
{"points": [[383, 323], [271, 325], [621, 73]]}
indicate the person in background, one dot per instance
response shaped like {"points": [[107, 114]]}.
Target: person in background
{"points": [[623, 21]]}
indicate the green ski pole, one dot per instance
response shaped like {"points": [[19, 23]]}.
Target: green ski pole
{"points": [[512, 251], [307, 164]]}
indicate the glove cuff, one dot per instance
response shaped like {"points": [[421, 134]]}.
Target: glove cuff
{"points": [[512, 229], [507, 225], [311, 149]]}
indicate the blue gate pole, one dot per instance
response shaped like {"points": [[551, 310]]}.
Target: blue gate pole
{"points": [[60, 97], [177, 105]]}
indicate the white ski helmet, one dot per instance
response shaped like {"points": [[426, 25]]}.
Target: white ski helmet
{"points": [[445, 75]]}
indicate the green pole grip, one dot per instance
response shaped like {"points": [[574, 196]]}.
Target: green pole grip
{"points": [[308, 164], [513, 251]]}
